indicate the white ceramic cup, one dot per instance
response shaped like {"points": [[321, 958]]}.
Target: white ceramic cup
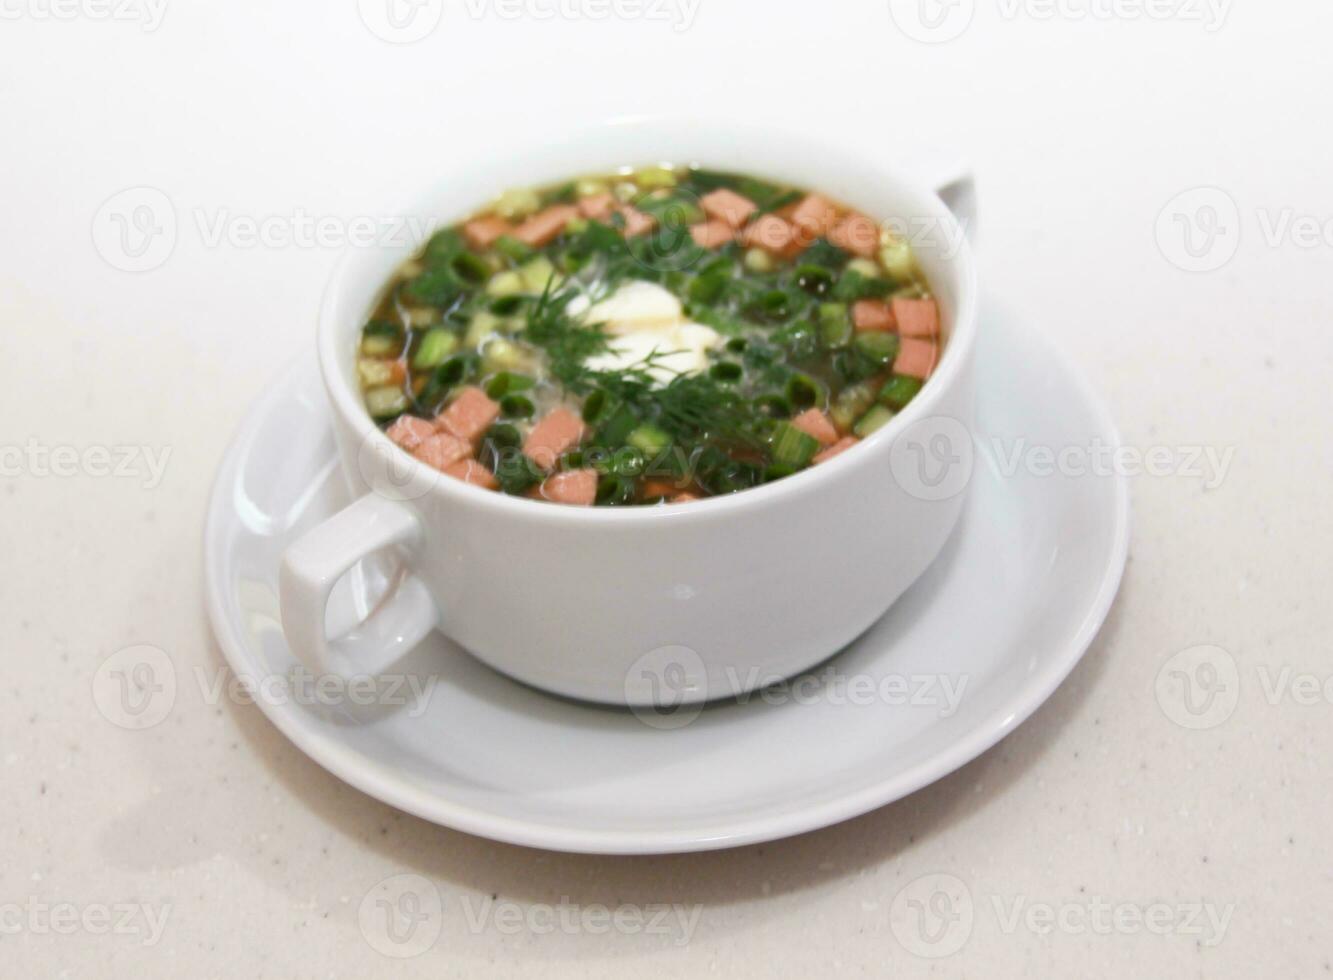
{"points": [[646, 606]]}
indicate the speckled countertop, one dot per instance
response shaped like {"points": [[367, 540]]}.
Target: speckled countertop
{"points": [[1118, 833]]}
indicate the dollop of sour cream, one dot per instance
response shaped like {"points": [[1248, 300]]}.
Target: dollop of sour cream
{"points": [[644, 319]]}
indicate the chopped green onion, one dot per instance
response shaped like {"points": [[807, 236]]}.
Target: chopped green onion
{"points": [[514, 250], [508, 383], [726, 371], [594, 405], [504, 436], [814, 279], [880, 346], [803, 391], [614, 490], [792, 447], [774, 406], [835, 326], [517, 407], [899, 390], [435, 347], [470, 268], [853, 286], [872, 421], [850, 404], [615, 430]]}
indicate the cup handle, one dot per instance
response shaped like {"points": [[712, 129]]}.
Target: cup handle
{"points": [[312, 567], [951, 178]]}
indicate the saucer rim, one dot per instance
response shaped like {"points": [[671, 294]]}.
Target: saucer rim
{"points": [[773, 824]]}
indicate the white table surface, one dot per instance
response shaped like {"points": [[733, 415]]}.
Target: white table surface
{"points": [[1082, 129]]}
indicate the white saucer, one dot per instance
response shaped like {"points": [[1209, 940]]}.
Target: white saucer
{"points": [[1011, 605]]}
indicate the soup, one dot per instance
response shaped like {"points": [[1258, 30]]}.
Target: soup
{"points": [[649, 337]]}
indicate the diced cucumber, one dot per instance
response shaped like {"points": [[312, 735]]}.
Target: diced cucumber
{"points": [[590, 187], [423, 316], [375, 371], [501, 355], [518, 203], [382, 338], [482, 325], [386, 401], [757, 260], [866, 268], [872, 421], [651, 178], [435, 347], [649, 439], [536, 274], [508, 283], [898, 261]]}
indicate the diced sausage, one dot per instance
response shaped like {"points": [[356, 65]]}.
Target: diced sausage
{"points": [[577, 487], [543, 227], [815, 217], [409, 431], [856, 234], [815, 423], [712, 234], [841, 446], [683, 498], [470, 471], [442, 450], [470, 415], [917, 317], [770, 233], [636, 222], [872, 314], [728, 206], [481, 233], [598, 207], [916, 358], [558, 432]]}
